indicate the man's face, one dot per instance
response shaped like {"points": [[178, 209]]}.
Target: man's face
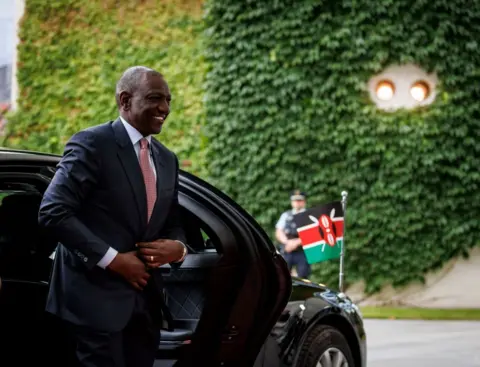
{"points": [[149, 105], [298, 204]]}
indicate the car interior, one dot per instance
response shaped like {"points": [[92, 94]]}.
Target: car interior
{"points": [[26, 256]]}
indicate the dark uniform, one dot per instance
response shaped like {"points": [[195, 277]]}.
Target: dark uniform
{"points": [[297, 257]]}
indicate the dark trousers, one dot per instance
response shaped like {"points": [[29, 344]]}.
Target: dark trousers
{"points": [[134, 346], [298, 259]]}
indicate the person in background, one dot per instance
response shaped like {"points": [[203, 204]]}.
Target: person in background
{"points": [[286, 234]]}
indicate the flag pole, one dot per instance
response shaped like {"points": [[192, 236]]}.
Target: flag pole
{"points": [[342, 252]]}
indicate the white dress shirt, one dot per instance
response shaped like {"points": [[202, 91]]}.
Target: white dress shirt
{"points": [[135, 137]]}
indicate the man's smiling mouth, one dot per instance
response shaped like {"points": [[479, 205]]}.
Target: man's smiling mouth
{"points": [[160, 118]]}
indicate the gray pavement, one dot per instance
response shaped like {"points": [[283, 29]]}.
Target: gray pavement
{"points": [[402, 343]]}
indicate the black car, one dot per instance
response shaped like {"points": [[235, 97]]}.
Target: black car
{"points": [[233, 300]]}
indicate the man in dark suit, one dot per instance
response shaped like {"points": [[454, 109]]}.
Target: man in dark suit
{"points": [[113, 206]]}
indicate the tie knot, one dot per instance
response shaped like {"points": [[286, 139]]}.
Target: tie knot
{"points": [[143, 143]]}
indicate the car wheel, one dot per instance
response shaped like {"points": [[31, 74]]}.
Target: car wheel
{"points": [[325, 346]]}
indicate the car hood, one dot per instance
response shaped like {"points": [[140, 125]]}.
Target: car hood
{"points": [[319, 297]]}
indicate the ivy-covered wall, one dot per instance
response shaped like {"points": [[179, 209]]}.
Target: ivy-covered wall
{"points": [[72, 52], [287, 107]]}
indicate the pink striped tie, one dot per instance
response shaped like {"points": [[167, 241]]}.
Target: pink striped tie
{"points": [[148, 176]]}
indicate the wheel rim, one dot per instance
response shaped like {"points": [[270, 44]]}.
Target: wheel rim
{"points": [[332, 357]]}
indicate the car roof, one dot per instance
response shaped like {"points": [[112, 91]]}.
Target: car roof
{"points": [[17, 154]]}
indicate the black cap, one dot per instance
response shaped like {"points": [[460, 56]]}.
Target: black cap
{"points": [[297, 195]]}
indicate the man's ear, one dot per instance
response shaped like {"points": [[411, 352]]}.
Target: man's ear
{"points": [[125, 99]]}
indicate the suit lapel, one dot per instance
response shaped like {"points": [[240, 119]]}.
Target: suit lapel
{"points": [[129, 161]]}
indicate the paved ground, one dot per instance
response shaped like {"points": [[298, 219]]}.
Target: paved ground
{"points": [[395, 343]]}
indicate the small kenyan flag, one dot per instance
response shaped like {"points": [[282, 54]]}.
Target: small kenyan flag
{"points": [[321, 232]]}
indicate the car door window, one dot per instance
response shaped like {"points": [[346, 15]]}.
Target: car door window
{"points": [[200, 237], [23, 245]]}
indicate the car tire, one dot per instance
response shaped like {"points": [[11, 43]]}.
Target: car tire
{"points": [[323, 340]]}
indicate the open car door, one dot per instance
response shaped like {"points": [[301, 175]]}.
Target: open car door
{"points": [[245, 283], [224, 299]]}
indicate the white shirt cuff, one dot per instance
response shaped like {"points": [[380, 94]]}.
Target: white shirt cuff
{"points": [[185, 253], [107, 258]]}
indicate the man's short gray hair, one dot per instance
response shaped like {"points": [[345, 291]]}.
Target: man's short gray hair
{"points": [[131, 79]]}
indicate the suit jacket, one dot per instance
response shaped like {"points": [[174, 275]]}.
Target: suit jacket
{"points": [[97, 200]]}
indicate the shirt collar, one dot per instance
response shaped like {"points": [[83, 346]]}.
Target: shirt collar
{"points": [[133, 133]]}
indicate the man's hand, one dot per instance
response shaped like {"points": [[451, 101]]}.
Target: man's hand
{"points": [[160, 252], [293, 244], [130, 267]]}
